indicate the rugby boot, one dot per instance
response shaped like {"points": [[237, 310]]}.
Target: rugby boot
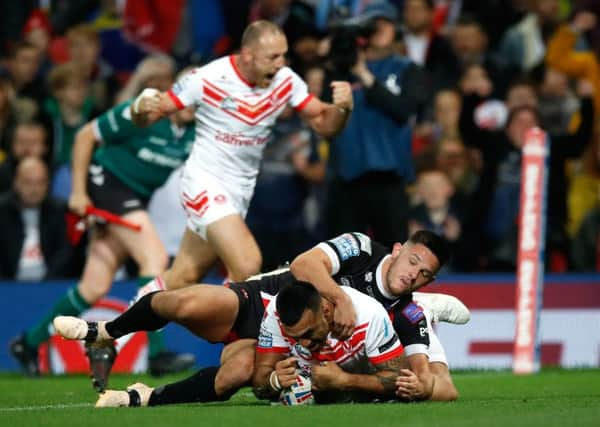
{"points": [[26, 356], [443, 308], [101, 357], [169, 362], [137, 394], [74, 328]]}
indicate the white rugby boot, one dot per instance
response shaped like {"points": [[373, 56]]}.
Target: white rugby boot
{"points": [[137, 394], [113, 399], [443, 307], [74, 328]]}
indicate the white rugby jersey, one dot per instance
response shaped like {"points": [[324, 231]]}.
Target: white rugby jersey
{"points": [[373, 341], [233, 117]]}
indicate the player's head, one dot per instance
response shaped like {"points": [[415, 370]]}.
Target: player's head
{"points": [[264, 47], [415, 264], [305, 316]]}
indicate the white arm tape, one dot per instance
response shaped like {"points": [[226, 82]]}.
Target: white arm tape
{"points": [[146, 93]]}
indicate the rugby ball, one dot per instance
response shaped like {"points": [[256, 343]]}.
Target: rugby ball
{"points": [[299, 393]]}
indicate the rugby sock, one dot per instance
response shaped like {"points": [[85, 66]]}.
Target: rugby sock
{"points": [[200, 387], [71, 304], [156, 343], [139, 317]]}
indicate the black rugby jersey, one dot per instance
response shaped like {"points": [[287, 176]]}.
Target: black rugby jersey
{"points": [[356, 261]]}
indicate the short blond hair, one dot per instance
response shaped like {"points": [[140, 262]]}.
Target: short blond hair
{"points": [[61, 75], [257, 29]]}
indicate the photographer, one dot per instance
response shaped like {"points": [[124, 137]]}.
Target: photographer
{"points": [[371, 161]]}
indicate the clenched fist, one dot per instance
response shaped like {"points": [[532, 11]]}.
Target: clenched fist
{"points": [[341, 94]]}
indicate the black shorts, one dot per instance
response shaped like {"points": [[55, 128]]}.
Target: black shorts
{"points": [[250, 312], [109, 193]]}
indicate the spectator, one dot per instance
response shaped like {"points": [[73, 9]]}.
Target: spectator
{"points": [[438, 210], [524, 44], [427, 48], [580, 65], [68, 109], [370, 159], [584, 189], [586, 243], [33, 237], [470, 45], [498, 191], [22, 64], [83, 44], [29, 138], [557, 102], [7, 115]]}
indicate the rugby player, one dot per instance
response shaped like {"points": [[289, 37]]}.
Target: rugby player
{"points": [[295, 335], [353, 259], [226, 313], [237, 100]]}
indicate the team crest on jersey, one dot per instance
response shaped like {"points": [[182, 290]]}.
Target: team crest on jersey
{"points": [[413, 313], [347, 246], [228, 103], [369, 276]]}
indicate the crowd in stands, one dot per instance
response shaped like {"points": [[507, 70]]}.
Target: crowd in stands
{"points": [[443, 93]]}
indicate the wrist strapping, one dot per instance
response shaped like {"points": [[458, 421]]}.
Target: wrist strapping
{"points": [[274, 381]]}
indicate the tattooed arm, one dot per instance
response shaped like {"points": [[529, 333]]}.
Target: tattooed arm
{"points": [[330, 376]]}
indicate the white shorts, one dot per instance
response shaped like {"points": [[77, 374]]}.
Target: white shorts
{"points": [[207, 199]]}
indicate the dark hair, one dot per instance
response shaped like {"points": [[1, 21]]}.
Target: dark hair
{"points": [[435, 243], [294, 298]]}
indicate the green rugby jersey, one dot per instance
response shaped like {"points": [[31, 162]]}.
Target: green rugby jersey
{"points": [[143, 158]]}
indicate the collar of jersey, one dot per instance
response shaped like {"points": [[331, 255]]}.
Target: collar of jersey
{"points": [[379, 280]]}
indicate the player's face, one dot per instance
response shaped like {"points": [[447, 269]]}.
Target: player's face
{"points": [[413, 266], [310, 331], [268, 56]]}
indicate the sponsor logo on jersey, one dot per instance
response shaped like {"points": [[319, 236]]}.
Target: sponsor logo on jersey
{"points": [[347, 246], [369, 276], [413, 313], [265, 339], [365, 243], [423, 331]]}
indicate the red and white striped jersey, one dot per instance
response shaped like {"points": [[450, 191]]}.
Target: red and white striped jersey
{"points": [[373, 341], [233, 117]]}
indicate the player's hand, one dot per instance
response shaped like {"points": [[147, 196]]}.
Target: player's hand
{"points": [[78, 202], [327, 375], [148, 104], [408, 385], [344, 318], [286, 371], [341, 94]]}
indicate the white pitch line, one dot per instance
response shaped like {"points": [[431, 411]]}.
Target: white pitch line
{"points": [[45, 407]]}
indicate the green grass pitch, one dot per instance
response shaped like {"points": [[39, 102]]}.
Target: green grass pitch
{"points": [[552, 398]]}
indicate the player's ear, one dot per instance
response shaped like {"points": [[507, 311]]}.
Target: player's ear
{"points": [[396, 249], [327, 309]]}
